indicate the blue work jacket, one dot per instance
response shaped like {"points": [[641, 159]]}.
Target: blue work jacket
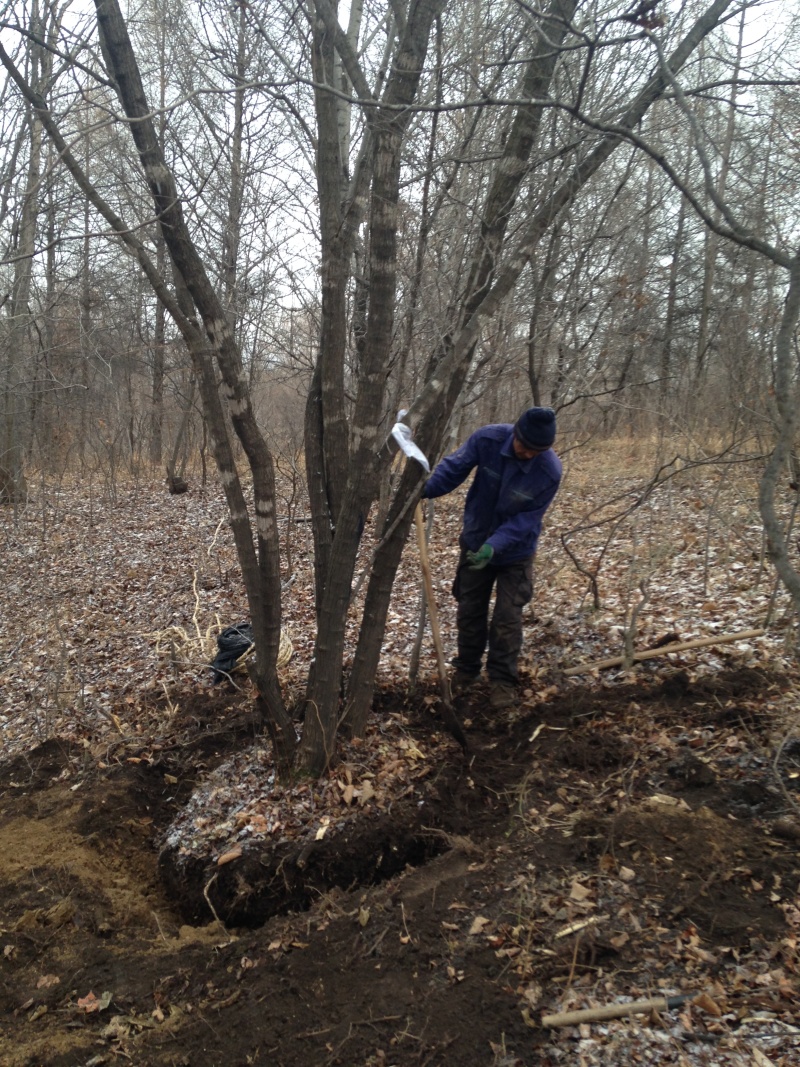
{"points": [[508, 496]]}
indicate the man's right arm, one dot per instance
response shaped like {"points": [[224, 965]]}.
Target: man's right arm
{"points": [[453, 469]]}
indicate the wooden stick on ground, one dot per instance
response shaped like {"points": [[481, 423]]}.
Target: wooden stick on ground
{"points": [[614, 1011], [680, 646], [448, 712]]}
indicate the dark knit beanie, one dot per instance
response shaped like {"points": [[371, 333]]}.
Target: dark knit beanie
{"points": [[536, 427]]}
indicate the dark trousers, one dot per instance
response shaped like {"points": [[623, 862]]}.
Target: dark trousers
{"points": [[473, 591]]}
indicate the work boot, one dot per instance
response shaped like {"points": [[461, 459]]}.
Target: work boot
{"points": [[461, 682], [502, 695]]}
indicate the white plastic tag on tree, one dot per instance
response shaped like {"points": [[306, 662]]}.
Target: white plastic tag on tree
{"points": [[402, 435]]}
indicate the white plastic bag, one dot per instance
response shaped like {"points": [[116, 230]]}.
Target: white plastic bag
{"points": [[402, 435]]}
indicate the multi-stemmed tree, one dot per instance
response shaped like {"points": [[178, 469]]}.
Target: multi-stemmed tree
{"points": [[450, 158]]}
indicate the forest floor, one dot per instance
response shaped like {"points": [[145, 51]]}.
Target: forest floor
{"points": [[616, 835]]}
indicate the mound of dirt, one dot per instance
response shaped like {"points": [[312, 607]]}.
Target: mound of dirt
{"points": [[543, 879]]}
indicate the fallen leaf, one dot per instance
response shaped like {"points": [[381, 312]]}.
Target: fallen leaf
{"points": [[533, 994], [761, 1060], [579, 891], [478, 924], [89, 1003], [232, 854], [663, 800], [60, 913], [705, 1003], [701, 954], [121, 1027], [581, 924], [47, 981]]}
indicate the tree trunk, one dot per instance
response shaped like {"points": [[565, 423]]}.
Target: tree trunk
{"points": [[384, 568], [326, 418], [538, 330], [259, 561], [711, 238], [20, 348], [388, 126], [665, 363], [500, 201], [788, 418], [158, 368], [439, 395]]}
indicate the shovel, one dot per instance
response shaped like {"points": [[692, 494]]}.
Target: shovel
{"points": [[448, 712]]}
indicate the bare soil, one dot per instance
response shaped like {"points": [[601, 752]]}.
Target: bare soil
{"points": [[602, 842]]}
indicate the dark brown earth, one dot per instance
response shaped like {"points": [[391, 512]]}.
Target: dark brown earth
{"points": [[429, 936]]}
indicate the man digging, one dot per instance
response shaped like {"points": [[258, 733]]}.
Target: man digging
{"points": [[516, 479]]}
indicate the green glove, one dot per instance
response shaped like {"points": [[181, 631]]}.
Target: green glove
{"points": [[478, 560]]}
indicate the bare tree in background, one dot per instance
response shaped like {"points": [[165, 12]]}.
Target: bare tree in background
{"points": [[17, 331]]}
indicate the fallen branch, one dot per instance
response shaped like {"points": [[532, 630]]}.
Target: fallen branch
{"points": [[680, 646], [615, 1011]]}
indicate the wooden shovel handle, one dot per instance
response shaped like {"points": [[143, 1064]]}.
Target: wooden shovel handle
{"points": [[448, 712], [427, 579], [614, 1011]]}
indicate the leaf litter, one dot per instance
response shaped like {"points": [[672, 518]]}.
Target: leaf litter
{"points": [[625, 833]]}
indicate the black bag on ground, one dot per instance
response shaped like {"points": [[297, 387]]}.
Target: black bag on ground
{"points": [[232, 643]]}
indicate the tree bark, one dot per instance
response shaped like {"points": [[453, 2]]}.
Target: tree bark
{"points": [[786, 399], [260, 561], [489, 284], [711, 243], [19, 353], [326, 426], [388, 126]]}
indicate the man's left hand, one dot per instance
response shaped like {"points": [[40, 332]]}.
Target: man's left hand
{"points": [[478, 560]]}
